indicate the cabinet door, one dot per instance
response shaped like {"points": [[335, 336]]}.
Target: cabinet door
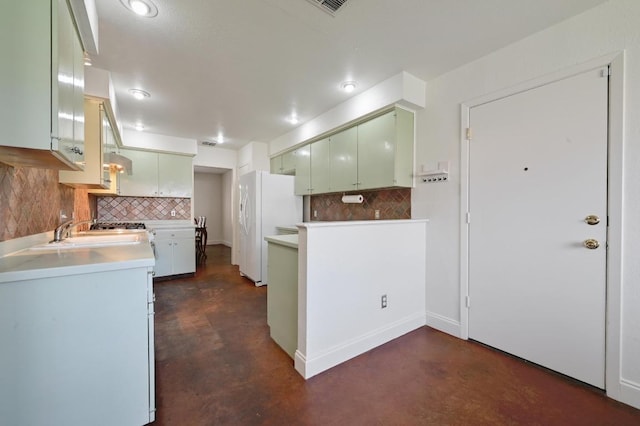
{"points": [[276, 165], [303, 170], [320, 167], [344, 160], [184, 255], [376, 152], [78, 98], [175, 175], [288, 163], [64, 82], [164, 257], [143, 181]]}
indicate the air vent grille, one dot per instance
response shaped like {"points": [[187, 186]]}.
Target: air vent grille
{"points": [[208, 143], [330, 6]]}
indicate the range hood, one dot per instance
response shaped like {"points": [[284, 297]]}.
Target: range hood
{"points": [[120, 162]]}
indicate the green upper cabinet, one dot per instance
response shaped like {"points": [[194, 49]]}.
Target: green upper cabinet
{"points": [[343, 174], [175, 175], [42, 76], [157, 175], [284, 164], [302, 157], [288, 163], [275, 166], [320, 171], [375, 154], [385, 151], [143, 179]]}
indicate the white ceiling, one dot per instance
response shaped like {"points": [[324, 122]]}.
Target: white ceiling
{"points": [[243, 66]]}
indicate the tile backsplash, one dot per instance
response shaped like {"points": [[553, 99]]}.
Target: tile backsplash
{"points": [[143, 208], [31, 201], [391, 203]]}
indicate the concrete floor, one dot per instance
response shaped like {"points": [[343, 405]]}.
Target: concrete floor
{"points": [[216, 365]]}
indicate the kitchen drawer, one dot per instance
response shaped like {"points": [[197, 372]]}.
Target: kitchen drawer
{"points": [[170, 234]]}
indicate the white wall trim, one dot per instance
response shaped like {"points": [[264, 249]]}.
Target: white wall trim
{"points": [[356, 346], [616, 387], [444, 324], [629, 393]]}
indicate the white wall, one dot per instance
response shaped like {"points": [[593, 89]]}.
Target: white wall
{"points": [[227, 209], [207, 201], [343, 270], [612, 27], [155, 142], [253, 156]]}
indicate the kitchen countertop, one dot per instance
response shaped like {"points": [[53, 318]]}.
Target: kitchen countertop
{"points": [[28, 264], [290, 240], [168, 224]]}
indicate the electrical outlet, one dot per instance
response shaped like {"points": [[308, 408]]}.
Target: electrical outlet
{"points": [[377, 214], [315, 213], [383, 301], [173, 213]]}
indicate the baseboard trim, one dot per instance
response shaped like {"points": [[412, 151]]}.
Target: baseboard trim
{"points": [[444, 324], [309, 367], [629, 393]]}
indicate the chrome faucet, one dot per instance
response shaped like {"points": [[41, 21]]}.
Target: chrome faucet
{"points": [[63, 231]]}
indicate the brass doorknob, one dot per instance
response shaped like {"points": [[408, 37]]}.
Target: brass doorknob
{"points": [[592, 219], [591, 244]]}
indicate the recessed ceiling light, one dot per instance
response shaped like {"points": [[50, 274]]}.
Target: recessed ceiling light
{"points": [[349, 86], [293, 119], [139, 127], [144, 8], [139, 94], [87, 59]]}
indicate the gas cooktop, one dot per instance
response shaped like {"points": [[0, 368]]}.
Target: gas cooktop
{"points": [[118, 225]]}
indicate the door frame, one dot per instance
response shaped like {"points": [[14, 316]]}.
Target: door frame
{"points": [[615, 61]]}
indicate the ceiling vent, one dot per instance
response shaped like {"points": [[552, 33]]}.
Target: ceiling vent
{"points": [[208, 143], [329, 6]]}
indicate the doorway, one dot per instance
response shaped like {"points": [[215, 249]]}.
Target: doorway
{"points": [[537, 224]]}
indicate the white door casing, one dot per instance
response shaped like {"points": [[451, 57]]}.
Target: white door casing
{"points": [[538, 167]]}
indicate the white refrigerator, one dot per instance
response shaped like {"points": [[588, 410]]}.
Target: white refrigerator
{"points": [[266, 201]]}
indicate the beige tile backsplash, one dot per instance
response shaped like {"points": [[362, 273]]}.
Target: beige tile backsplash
{"points": [[391, 203], [143, 208], [31, 201]]}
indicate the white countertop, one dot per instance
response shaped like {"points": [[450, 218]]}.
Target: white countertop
{"points": [[28, 264], [332, 224], [289, 240]]}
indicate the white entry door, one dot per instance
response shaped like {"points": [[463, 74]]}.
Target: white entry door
{"points": [[537, 257]]}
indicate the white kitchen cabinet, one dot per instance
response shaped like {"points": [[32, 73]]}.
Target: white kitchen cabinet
{"points": [[302, 157], [385, 151], [320, 170], [343, 174], [42, 112], [157, 175], [77, 349], [175, 251]]}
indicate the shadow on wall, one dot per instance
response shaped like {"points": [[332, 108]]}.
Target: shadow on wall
{"points": [[31, 201], [391, 204]]}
